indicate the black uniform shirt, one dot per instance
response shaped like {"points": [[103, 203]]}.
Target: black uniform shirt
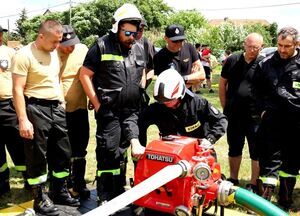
{"points": [[117, 72], [278, 84], [195, 117], [182, 60]]}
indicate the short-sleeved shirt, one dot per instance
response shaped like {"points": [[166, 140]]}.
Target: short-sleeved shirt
{"points": [[182, 61], [74, 94], [235, 71], [6, 55], [42, 71]]}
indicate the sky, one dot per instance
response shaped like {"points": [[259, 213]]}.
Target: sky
{"points": [[284, 12]]}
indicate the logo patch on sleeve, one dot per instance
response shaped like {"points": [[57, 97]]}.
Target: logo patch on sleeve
{"points": [[192, 127], [214, 110]]}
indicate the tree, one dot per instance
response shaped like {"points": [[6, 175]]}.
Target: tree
{"points": [[21, 31], [189, 19], [154, 11], [273, 28]]}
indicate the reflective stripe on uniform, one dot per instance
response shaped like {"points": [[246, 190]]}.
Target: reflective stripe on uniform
{"points": [[60, 174], [269, 180], [20, 168], [38, 180], [111, 57], [113, 171], [287, 175], [3, 167]]}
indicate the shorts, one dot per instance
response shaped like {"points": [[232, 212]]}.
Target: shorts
{"points": [[207, 72], [238, 129]]}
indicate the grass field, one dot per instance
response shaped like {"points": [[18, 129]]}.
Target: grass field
{"points": [[18, 195]]}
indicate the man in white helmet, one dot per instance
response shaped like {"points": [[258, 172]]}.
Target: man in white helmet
{"points": [[181, 112], [111, 76]]}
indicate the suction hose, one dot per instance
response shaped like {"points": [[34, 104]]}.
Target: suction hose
{"points": [[181, 169], [228, 194]]}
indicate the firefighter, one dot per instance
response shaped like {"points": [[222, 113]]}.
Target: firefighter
{"points": [[72, 54], [8, 120], [277, 82], [179, 111], [111, 76], [42, 120]]}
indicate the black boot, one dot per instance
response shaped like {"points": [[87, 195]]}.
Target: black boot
{"points": [[79, 184], [104, 187], [42, 204], [26, 184], [4, 181], [59, 193], [286, 191], [4, 187], [265, 190]]}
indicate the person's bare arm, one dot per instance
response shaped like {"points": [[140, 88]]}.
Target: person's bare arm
{"points": [[25, 126], [222, 91], [85, 77], [197, 74]]}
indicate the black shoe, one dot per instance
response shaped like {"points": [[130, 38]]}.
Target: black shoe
{"points": [[45, 206], [42, 203], [211, 91], [63, 197], [82, 193], [27, 186], [4, 188], [235, 182], [285, 193]]}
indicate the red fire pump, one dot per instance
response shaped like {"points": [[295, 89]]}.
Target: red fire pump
{"points": [[197, 190]]}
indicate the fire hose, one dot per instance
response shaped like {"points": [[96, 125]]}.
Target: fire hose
{"points": [[178, 176]]}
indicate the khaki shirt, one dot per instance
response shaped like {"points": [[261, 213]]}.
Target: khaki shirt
{"points": [[74, 94], [6, 55], [42, 71]]}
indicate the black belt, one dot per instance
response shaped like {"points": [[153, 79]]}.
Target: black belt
{"points": [[42, 102], [5, 101]]}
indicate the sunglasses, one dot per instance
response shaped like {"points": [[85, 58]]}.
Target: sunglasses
{"points": [[129, 33]]}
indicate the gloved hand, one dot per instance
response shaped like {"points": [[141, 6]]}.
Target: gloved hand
{"points": [[206, 144]]}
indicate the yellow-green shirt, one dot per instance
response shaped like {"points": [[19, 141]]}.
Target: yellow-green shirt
{"points": [[6, 55], [74, 94], [42, 71]]}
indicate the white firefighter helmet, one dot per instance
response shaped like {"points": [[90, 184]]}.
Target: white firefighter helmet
{"points": [[125, 12], [169, 85]]}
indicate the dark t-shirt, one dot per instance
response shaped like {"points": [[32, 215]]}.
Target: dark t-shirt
{"points": [[236, 71], [182, 60]]}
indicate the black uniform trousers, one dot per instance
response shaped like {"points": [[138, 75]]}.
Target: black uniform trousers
{"points": [[114, 130], [50, 145], [11, 139], [278, 142], [78, 131]]}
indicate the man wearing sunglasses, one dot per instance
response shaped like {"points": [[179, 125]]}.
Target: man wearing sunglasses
{"points": [[179, 55], [111, 76]]}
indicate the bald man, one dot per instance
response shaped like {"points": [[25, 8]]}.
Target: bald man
{"points": [[238, 105]]}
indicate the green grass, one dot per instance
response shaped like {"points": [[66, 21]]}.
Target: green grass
{"points": [[18, 195]]}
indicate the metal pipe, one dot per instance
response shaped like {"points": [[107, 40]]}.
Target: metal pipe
{"points": [[169, 173]]}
